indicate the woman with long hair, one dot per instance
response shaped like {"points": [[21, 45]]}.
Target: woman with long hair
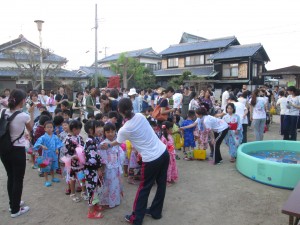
{"points": [[154, 166], [258, 114], [14, 160]]}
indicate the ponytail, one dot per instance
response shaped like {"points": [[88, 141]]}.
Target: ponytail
{"points": [[254, 97], [16, 96]]}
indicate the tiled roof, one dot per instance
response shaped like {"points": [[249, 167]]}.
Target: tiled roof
{"points": [[90, 71], [21, 56], [196, 71], [238, 51], [292, 70], [188, 38], [9, 72], [201, 45], [146, 53]]}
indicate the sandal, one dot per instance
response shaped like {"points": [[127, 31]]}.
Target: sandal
{"points": [[78, 189], [99, 208], [68, 191], [95, 215], [130, 181], [74, 198]]}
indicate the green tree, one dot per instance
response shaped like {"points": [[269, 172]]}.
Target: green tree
{"points": [[128, 68], [175, 82], [102, 82]]}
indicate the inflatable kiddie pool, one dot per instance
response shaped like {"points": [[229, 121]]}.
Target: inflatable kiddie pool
{"points": [[275, 163]]}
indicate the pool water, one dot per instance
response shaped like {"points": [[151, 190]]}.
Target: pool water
{"points": [[290, 157]]}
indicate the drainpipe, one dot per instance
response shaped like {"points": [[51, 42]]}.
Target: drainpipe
{"points": [[249, 72]]}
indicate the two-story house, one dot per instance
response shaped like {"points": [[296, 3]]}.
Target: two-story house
{"points": [[220, 62], [20, 66]]}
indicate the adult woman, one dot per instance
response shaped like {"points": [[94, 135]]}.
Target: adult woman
{"points": [[105, 105], [34, 101], [155, 162], [186, 98], [216, 127], [133, 95], [258, 109], [77, 105], [205, 97], [163, 101], [43, 97], [194, 101], [291, 115], [15, 160]]}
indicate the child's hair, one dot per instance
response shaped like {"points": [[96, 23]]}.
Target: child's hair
{"points": [[201, 111], [66, 121], [66, 104], [43, 119], [98, 116], [57, 120], [99, 123], [152, 123], [191, 113], [108, 127], [113, 114], [67, 112], [149, 109], [91, 124], [43, 107], [105, 115], [46, 113], [75, 124], [232, 106], [178, 110], [90, 115], [166, 125], [177, 118], [48, 122], [57, 110]]}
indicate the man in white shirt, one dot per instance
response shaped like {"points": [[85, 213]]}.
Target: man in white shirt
{"points": [[177, 99], [225, 97]]}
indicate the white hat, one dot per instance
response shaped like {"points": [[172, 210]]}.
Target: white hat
{"points": [[132, 91]]}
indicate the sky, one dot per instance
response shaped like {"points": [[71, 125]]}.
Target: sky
{"points": [[126, 25]]}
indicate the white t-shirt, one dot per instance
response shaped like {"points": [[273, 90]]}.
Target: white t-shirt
{"points": [[282, 101], [225, 97], [240, 111], [142, 137], [17, 126], [215, 124], [259, 111], [177, 99], [292, 111]]}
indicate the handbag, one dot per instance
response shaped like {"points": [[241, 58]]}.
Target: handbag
{"points": [[156, 114], [272, 110]]}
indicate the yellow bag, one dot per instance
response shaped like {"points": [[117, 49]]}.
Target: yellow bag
{"points": [[181, 142], [272, 110], [199, 154], [128, 148], [177, 141]]}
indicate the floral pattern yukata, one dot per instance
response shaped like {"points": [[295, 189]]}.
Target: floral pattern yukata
{"points": [[172, 174], [93, 163], [112, 191], [234, 136], [71, 143]]}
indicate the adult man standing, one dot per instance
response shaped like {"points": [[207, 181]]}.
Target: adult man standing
{"points": [[61, 96], [225, 97], [90, 102]]}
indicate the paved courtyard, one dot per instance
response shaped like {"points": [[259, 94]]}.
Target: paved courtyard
{"points": [[204, 195]]}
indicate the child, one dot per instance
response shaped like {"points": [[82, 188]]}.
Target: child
{"points": [[234, 136], [51, 103], [176, 134], [113, 159], [72, 141], [167, 139], [112, 117], [50, 144], [133, 166], [57, 121], [105, 118], [189, 142], [64, 105], [178, 112], [99, 116], [92, 168], [66, 114], [57, 112]]}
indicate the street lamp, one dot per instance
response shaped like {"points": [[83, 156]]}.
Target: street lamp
{"points": [[39, 24]]}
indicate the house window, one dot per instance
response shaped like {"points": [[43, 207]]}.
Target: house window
{"points": [[194, 60], [254, 70], [230, 70], [207, 60], [173, 62]]}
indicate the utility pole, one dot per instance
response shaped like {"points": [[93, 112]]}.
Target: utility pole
{"points": [[96, 48]]}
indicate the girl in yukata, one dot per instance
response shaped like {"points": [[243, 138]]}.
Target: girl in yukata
{"points": [[113, 159], [234, 136], [167, 139], [133, 165], [92, 168], [72, 141], [50, 144]]}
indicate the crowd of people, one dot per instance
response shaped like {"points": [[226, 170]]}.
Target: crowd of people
{"points": [[136, 134]]}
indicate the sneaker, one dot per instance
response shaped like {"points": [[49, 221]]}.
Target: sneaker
{"points": [[23, 210], [68, 191], [41, 174], [147, 213], [128, 219], [177, 157], [58, 171], [22, 203], [47, 184], [34, 167], [56, 180]]}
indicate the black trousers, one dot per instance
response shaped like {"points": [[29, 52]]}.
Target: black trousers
{"points": [[290, 127], [218, 141], [155, 171], [15, 165], [245, 127]]}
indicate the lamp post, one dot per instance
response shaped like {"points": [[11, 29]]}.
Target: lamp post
{"points": [[39, 24]]}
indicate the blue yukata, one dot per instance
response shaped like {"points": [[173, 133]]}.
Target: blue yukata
{"points": [[189, 140], [234, 136], [52, 143]]}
